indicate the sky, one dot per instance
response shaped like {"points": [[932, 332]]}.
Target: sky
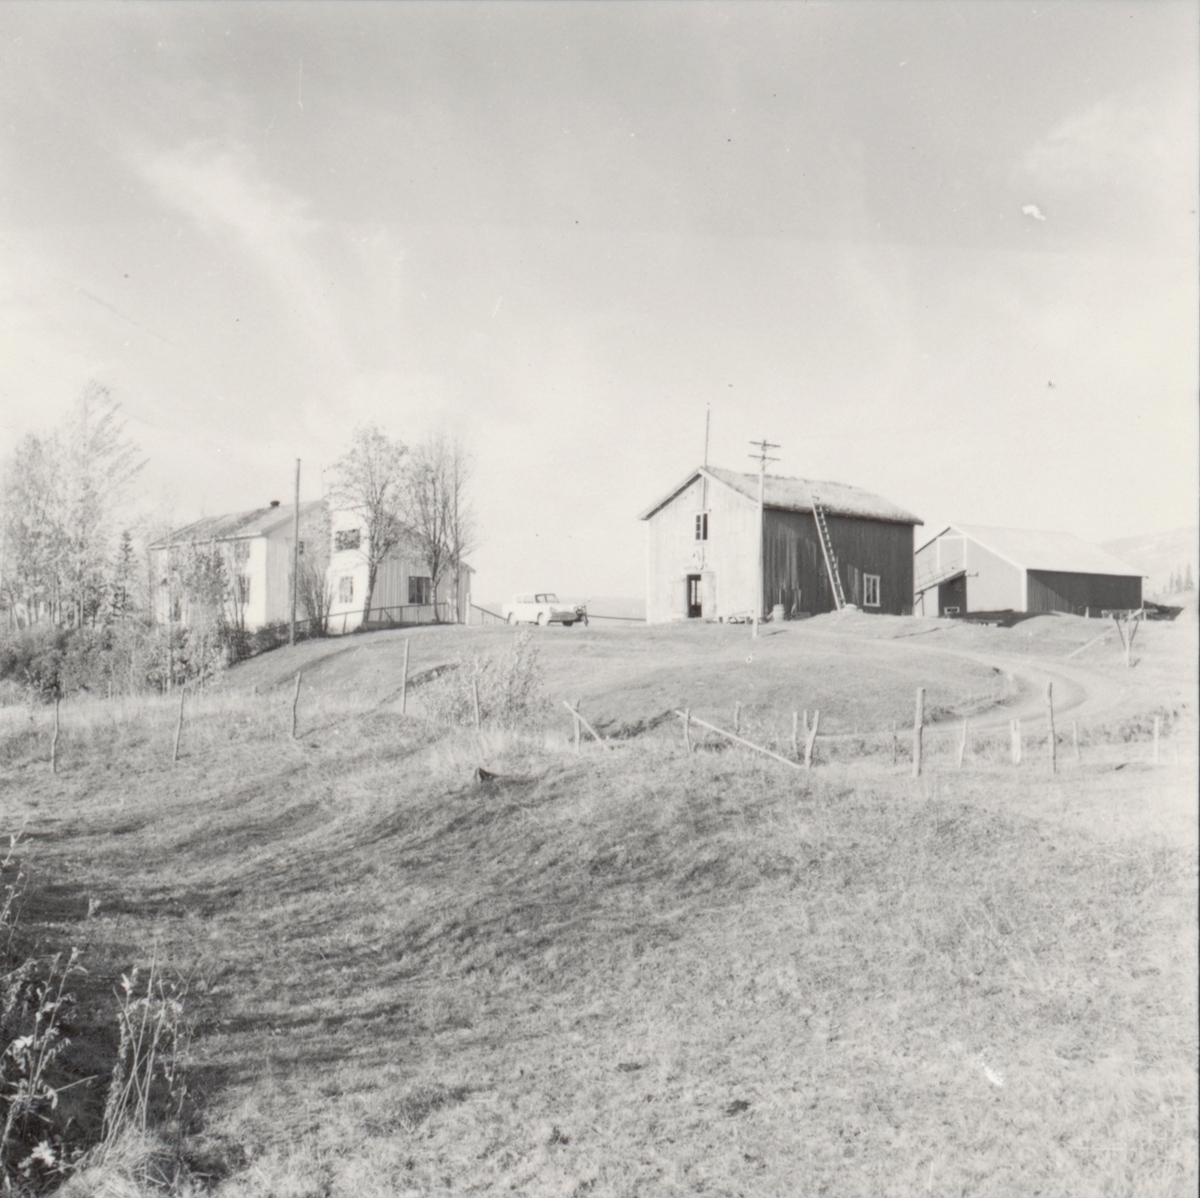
{"points": [[946, 252]]}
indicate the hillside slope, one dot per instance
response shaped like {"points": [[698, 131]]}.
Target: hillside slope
{"points": [[632, 971]]}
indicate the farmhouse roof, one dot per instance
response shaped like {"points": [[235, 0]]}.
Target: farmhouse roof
{"points": [[237, 525], [1062, 552], [795, 495]]}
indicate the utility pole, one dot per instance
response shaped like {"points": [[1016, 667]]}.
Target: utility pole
{"points": [[295, 555], [763, 459]]}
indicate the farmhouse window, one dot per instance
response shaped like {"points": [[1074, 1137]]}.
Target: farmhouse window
{"points": [[300, 549], [420, 590], [701, 526], [347, 538], [346, 588], [870, 590], [243, 588]]}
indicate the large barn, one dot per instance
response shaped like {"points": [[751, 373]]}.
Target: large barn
{"points": [[967, 568], [702, 548]]}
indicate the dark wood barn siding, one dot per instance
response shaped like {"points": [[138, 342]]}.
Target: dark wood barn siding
{"points": [[794, 567], [1051, 590]]}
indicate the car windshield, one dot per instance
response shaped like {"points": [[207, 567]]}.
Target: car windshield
{"points": [[548, 597]]}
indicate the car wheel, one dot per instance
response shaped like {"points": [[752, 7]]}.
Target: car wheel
{"points": [[541, 619], [568, 623], [512, 617]]}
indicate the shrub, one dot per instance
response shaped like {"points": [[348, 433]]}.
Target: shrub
{"points": [[509, 688]]}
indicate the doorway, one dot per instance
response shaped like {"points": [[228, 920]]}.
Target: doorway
{"points": [[952, 596], [693, 597]]}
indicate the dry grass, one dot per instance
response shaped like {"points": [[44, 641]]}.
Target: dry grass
{"points": [[631, 972]]}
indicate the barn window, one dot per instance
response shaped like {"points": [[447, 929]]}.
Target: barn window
{"points": [[346, 588], [346, 538], [870, 590], [420, 590], [701, 526]]}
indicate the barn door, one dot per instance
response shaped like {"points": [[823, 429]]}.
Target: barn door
{"points": [[693, 597], [952, 596]]}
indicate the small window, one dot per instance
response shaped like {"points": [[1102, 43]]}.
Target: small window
{"points": [[701, 526], [870, 590], [300, 549], [243, 588], [346, 588], [347, 538], [420, 590]]}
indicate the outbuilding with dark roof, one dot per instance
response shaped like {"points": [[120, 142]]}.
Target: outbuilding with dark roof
{"points": [[703, 538]]}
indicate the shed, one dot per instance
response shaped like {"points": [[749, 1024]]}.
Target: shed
{"points": [[969, 568], [703, 536]]}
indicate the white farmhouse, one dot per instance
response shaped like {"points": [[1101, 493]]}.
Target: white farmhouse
{"points": [[256, 547], [404, 592]]}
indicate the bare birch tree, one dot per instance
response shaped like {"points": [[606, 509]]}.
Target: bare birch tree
{"points": [[460, 518], [370, 480], [439, 508], [427, 509]]}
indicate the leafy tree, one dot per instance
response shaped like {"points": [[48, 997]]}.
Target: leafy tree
{"points": [[123, 600], [62, 494], [370, 479]]}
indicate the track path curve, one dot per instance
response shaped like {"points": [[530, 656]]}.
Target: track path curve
{"points": [[1078, 691]]}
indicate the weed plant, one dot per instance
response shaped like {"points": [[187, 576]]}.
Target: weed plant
{"points": [[508, 686]]}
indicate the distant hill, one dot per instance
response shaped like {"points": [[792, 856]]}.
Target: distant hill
{"points": [[1159, 555]]}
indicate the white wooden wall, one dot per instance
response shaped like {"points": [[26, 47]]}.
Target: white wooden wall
{"points": [[726, 562]]}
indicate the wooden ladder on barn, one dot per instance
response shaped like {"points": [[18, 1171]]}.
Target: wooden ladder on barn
{"points": [[839, 596]]}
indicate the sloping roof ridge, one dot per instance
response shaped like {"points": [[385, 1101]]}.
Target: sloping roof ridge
{"points": [[844, 499], [988, 541], [232, 525]]}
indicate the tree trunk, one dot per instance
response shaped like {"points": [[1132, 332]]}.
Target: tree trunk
{"points": [[371, 572]]}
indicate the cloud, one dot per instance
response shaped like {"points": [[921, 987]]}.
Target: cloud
{"points": [[224, 192], [1034, 211]]}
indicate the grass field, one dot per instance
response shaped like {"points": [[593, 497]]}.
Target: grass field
{"points": [[637, 971]]}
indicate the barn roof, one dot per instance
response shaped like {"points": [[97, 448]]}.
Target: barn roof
{"points": [[236, 525], [1058, 551], [795, 495]]}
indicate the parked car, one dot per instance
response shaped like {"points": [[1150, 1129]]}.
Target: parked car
{"points": [[543, 608]]}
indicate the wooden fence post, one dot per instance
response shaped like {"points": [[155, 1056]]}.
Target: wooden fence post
{"points": [[475, 700], [687, 731], [54, 741], [404, 679], [295, 701], [795, 734], [918, 727], [604, 744], [962, 745], [1014, 731], [1075, 739], [895, 744], [179, 727], [810, 737], [737, 717], [576, 714], [1053, 736]]}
